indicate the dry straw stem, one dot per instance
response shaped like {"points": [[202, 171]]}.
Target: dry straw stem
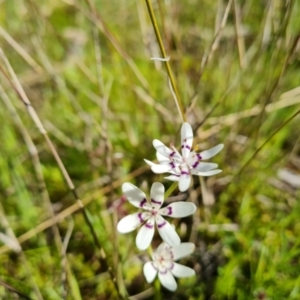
{"points": [[14, 290], [19, 250], [288, 99], [213, 47], [20, 50], [75, 207], [96, 18], [167, 64], [267, 140], [19, 89], [36, 164], [239, 35]]}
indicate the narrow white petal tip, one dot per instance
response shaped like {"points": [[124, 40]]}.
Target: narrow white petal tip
{"points": [[186, 139], [161, 58], [148, 162], [181, 271], [167, 280], [145, 235], [157, 143], [133, 194], [159, 169], [208, 173], [186, 127], [211, 152], [172, 178], [184, 183], [178, 209], [182, 250], [149, 271], [129, 223], [167, 232]]}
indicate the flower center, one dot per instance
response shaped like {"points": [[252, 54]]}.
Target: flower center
{"points": [[154, 211]]}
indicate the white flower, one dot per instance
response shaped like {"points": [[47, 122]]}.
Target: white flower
{"points": [[163, 264], [183, 166], [153, 214]]}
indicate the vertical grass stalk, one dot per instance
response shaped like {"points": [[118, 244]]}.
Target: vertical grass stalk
{"points": [[167, 64]]}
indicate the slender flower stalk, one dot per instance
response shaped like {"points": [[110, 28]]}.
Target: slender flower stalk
{"points": [[163, 263], [183, 166], [153, 214]]}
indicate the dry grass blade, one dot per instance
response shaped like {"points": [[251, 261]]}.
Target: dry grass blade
{"points": [[68, 179]]}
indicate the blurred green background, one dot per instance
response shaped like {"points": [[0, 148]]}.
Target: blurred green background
{"points": [[86, 67]]}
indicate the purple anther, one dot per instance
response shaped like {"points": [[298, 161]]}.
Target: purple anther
{"points": [[170, 212], [195, 164], [172, 165], [172, 154], [184, 173], [199, 156], [143, 202]]}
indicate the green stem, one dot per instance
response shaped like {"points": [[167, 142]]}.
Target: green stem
{"points": [[171, 189], [167, 64]]}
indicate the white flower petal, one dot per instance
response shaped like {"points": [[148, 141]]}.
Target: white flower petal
{"points": [[173, 177], [145, 235], [159, 169], [167, 232], [182, 250], [130, 222], [178, 209], [165, 151], [205, 166], [208, 173], [187, 137], [181, 271], [161, 248], [195, 162], [211, 152], [150, 163], [167, 280], [134, 195], [149, 271], [162, 159], [157, 194], [173, 163], [185, 178], [161, 148]]}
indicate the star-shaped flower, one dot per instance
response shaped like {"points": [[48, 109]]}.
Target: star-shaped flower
{"points": [[183, 166], [152, 214], [163, 264]]}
